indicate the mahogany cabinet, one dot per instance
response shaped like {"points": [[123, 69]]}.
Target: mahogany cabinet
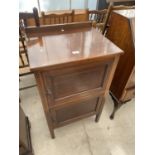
{"points": [[121, 31], [25, 146], [73, 69]]}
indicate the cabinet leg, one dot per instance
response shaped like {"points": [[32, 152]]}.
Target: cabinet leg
{"points": [[117, 105], [52, 133], [100, 110], [50, 125]]}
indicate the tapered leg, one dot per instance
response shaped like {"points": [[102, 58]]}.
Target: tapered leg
{"points": [[100, 110], [117, 105], [52, 133], [50, 126]]}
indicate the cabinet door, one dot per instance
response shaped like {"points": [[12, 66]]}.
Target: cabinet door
{"points": [[69, 113], [76, 83]]}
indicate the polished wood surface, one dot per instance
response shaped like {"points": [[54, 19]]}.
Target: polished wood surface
{"points": [[73, 70], [121, 32], [77, 46]]}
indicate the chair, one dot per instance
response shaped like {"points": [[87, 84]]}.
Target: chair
{"points": [[25, 17], [97, 15], [24, 21], [57, 18], [113, 5], [24, 61]]}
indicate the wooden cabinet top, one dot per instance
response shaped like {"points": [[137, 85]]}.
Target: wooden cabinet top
{"points": [[74, 46], [128, 13]]}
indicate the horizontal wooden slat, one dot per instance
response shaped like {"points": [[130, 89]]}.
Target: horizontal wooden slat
{"points": [[56, 28], [59, 103]]}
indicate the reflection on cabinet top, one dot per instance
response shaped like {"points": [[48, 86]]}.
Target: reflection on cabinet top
{"points": [[74, 46], [128, 13]]}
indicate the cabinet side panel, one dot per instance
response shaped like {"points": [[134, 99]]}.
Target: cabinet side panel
{"points": [[119, 32]]}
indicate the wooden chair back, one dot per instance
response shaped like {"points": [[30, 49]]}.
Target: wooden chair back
{"points": [[23, 23], [23, 60], [97, 15], [100, 18], [128, 4], [25, 17], [57, 18], [23, 57]]}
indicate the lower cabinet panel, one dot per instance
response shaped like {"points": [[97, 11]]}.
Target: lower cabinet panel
{"points": [[76, 110]]}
